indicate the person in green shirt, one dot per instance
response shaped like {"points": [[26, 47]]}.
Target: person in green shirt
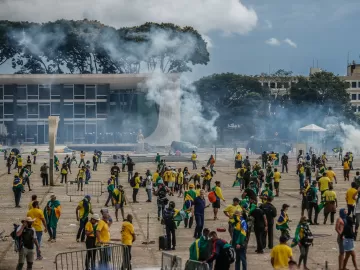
{"points": [[200, 250], [110, 189], [269, 177], [18, 188], [158, 158], [266, 193]]}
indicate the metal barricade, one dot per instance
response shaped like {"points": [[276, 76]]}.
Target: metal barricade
{"points": [[111, 257], [92, 188], [196, 265], [170, 262]]}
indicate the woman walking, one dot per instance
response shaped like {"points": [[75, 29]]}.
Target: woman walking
{"points": [[348, 242], [304, 239]]}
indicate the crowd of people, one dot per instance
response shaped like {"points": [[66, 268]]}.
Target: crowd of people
{"points": [[252, 211]]}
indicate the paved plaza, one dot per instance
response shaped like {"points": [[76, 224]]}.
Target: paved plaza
{"points": [[324, 249]]}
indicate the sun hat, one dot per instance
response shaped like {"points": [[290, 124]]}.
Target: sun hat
{"points": [[96, 217], [29, 219]]}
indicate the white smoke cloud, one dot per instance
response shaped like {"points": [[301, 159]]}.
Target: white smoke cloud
{"points": [[290, 42], [230, 16], [273, 42], [351, 138]]}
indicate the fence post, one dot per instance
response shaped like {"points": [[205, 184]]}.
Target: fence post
{"points": [[326, 265]]}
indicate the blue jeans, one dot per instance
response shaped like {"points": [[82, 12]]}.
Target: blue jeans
{"points": [[39, 237], [81, 232], [52, 232], [240, 257], [301, 179], [149, 193], [199, 219]]}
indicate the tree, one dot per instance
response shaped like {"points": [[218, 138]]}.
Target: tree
{"points": [[238, 99], [85, 46]]}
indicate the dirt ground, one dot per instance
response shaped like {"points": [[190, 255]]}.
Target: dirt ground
{"points": [[324, 249]]}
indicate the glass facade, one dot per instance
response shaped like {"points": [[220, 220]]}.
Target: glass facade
{"points": [[89, 113]]}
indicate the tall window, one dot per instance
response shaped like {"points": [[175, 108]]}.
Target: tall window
{"points": [[68, 110], [32, 91], [55, 108], [353, 84], [21, 110], [33, 110], [353, 96], [90, 110], [101, 91], [79, 110], [68, 91], [44, 110], [8, 110], [90, 91], [8, 92], [44, 91], [1, 91], [79, 91], [21, 92], [55, 91]]}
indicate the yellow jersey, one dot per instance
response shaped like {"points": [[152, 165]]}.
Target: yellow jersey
{"points": [[231, 209], [329, 195], [238, 157], [103, 228], [349, 196], [324, 183], [193, 157], [38, 215], [281, 254], [331, 175], [346, 165], [277, 177], [127, 232], [90, 228]]}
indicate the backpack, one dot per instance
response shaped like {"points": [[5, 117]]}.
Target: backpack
{"points": [[310, 195], [168, 215], [229, 253], [308, 238], [17, 239], [212, 196], [132, 182]]}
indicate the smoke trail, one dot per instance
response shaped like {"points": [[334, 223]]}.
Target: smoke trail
{"points": [[350, 138]]}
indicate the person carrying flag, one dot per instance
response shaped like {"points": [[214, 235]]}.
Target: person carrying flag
{"points": [[52, 212], [239, 239], [189, 197], [282, 223]]}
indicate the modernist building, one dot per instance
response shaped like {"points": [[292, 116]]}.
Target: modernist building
{"points": [[93, 108], [353, 78]]}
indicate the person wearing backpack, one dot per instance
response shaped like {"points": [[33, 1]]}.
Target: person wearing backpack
{"points": [[170, 226], [312, 199], [26, 239], [222, 253], [304, 239], [162, 200]]}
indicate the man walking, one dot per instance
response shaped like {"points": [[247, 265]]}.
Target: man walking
{"points": [[82, 159], [284, 162], [38, 216], [52, 214], [199, 212], [44, 174], [128, 233], [270, 213], [312, 199], [229, 211], [90, 242], [260, 227], [82, 212], [130, 165], [18, 188], [115, 170], [193, 160]]}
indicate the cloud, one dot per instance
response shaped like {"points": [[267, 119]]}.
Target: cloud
{"points": [[273, 42], [208, 41], [202, 15], [268, 24], [290, 42]]}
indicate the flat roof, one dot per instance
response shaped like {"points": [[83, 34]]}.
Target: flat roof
{"points": [[116, 81]]}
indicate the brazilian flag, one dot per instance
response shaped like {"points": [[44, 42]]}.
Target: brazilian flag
{"points": [[336, 150], [282, 222]]}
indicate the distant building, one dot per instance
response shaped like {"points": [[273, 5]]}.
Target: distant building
{"points": [[353, 78], [93, 108]]}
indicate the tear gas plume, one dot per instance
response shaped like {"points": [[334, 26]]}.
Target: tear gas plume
{"points": [[350, 138]]}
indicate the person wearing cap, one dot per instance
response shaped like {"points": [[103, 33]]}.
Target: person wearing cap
{"points": [[281, 254], [229, 211], [44, 174], [110, 189], [90, 229], [28, 241], [81, 178], [18, 188], [128, 233], [38, 215], [219, 196], [82, 213], [52, 212], [119, 200]]}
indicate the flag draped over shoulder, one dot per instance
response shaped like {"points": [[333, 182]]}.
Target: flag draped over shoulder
{"points": [[282, 222], [197, 247], [240, 229], [52, 213]]}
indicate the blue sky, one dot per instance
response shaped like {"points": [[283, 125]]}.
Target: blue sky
{"points": [[321, 30], [324, 30]]}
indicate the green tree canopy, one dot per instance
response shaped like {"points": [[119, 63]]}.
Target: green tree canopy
{"points": [[85, 46]]}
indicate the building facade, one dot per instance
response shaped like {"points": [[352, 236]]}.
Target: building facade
{"points": [[353, 78], [93, 108]]}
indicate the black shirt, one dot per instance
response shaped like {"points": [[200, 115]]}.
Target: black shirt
{"points": [[258, 215], [269, 211], [130, 166], [348, 231], [115, 170]]}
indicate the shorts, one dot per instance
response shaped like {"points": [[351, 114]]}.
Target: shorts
{"points": [[26, 255], [348, 244], [276, 185], [119, 206], [340, 244], [216, 204], [171, 184]]}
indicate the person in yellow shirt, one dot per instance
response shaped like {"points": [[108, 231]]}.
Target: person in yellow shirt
{"points": [[155, 176], [238, 160], [83, 210], [206, 174], [219, 196], [193, 160], [329, 197], [136, 187], [277, 177], [180, 182], [171, 175], [90, 229], [38, 215], [331, 174], [324, 182], [350, 201], [102, 240], [281, 254], [33, 199], [82, 159], [128, 233], [81, 177], [197, 189], [229, 211], [346, 166], [166, 176]]}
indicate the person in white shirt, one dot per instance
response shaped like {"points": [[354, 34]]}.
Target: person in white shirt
{"points": [[149, 185]]}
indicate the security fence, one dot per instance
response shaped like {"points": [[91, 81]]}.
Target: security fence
{"points": [[170, 262], [195, 265], [77, 188], [110, 257]]}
